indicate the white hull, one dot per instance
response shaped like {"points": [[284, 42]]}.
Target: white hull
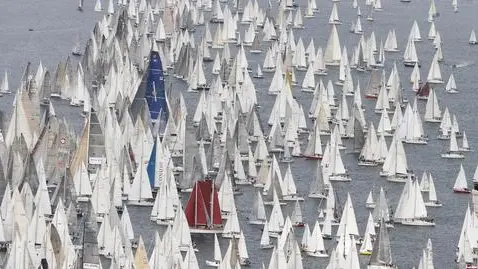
{"points": [[457, 155], [230, 235], [82, 199], [317, 254], [267, 246], [257, 222], [140, 203], [417, 222], [367, 163], [205, 231], [394, 178], [317, 196], [212, 263], [243, 182], [371, 206], [274, 234], [188, 190], [343, 178], [293, 198], [416, 141], [436, 81], [433, 204], [434, 120], [384, 266], [165, 222]]}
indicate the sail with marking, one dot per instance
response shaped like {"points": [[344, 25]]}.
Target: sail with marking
{"points": [[155, 90], [382, 252]]}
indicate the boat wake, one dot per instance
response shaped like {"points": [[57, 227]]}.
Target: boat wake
{"points": [[461, 65]]}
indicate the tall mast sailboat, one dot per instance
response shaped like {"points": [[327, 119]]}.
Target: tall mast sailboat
{"points": [[203, 212], [155, 93]]}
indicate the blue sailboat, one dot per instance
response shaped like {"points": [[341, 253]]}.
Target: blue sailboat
{"points": [[155, 91]]}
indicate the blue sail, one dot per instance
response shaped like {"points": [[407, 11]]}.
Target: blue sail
{"points": [[155, 91], [152, 165]]}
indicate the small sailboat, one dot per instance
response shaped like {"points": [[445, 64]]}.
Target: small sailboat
{"points": [[453, 152], [370, 203], [432, 194], [217, 254], [296, 216], [76, 51], [265, 239], [451, 85], [465, 147], [461, 186], [472, 40], [258, 73], [80, 5]]}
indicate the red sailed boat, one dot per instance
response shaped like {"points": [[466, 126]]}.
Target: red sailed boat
{"points": [[202, 209], [423, 92]]}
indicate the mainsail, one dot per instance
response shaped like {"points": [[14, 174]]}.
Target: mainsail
{"points": [[382, 253], [202, 209], [155, 91]]}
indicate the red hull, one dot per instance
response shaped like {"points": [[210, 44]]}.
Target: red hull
{"points": [[299, 225], [371, 96], [461, 191], [313, 157]]}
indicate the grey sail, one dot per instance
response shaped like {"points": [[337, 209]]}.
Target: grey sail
{"points": [[359, 137], [374, 84], [317, 186], [382, 253]]}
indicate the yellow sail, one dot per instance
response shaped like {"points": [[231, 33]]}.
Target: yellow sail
{"points": [[81, 154], [141, 257]]}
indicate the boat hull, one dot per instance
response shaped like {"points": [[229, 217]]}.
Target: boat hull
{"points": [[461, 190], [267, 246], [343, 178], [417, 222], [317, 196], [140, 203], [318, 254], [371, 206], [212, 263], [195, 230], [313, 157], [453, 155], [433, 204]]}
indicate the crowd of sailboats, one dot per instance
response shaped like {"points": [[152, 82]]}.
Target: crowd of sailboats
{"points": [[68, 196]]}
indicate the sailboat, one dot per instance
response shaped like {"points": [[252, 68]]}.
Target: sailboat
{"points": [[155, 90], [217, 254], [369, 203], [432, 194], [411, 209], [80, 5], [202, 211], [465, 147], [381, 257], [451, 85], [454, 152], [258, 74], [461, 186], [265, 239], [423, 92], [472, 40], [77, 48]]}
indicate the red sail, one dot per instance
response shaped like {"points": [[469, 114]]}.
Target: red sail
{"points": [[216, 210], [195, 208], [424, 90]]}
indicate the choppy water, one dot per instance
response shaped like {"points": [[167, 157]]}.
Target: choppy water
{"points": [[56, 24]]}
